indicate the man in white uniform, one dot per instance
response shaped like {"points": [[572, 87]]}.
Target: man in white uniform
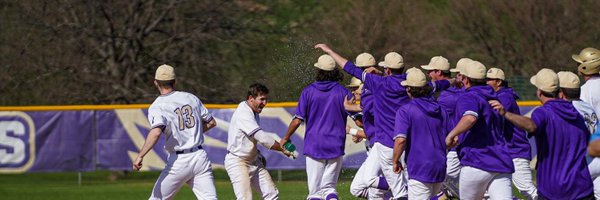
{"points": [[183, 119], [244, 163], [589, 68]]}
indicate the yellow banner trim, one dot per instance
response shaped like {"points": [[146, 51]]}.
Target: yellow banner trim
{"points": [[145, 106]]}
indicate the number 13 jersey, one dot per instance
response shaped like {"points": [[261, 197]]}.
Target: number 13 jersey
{"points": [[181, 115]]}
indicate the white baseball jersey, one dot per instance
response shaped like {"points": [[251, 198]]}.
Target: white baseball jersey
{"points": [[245, 132], [181, 114], [591, 94]]}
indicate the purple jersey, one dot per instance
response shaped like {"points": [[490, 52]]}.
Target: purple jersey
{"points": [[561, 139], [483, 146], [388, 96], [425, 125], [366, 102], [447, 100], [516, 138], [321, 107]]}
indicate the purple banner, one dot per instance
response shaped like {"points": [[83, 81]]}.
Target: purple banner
{"points": [[110, 139]]}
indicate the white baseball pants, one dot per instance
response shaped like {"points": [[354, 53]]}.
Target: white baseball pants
{"points": [[452, 174], [594, 168], [474, 182], [523, 179], [191, 168], [397, 182], [367, 176], [322, 175], [245, 176], [422, 191]]}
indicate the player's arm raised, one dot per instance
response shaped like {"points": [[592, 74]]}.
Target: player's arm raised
{"points": [[151, 140], [525, 123], [341, 61]]}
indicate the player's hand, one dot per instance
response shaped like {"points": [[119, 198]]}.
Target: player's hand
{"points": [[373, 70], [289, 154], [137, 164], [451, 141], [283, 141], [350, 105], [323, 47], [497, 106], [356, 139], [398, 167]]}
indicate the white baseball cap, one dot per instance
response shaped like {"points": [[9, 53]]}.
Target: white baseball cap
{"points": [[545, 80], [354, 82], [165, 73], [415, 78], [437, 63], [474, 69], [495, 73], [392, 60], [568, 79], [365, 60], [325, 62], [460, 65]]}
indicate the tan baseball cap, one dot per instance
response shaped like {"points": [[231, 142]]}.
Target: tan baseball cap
{"points": [[354, 82], [415, 78], [545, 80], [365, 60], [461, 64], [437, 63], [392, 60], [568, 79], [495, 73], [165, 73], [325, 62], [474, 69]]}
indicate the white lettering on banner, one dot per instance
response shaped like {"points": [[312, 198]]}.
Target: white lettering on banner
{"points": [[13, 134]]}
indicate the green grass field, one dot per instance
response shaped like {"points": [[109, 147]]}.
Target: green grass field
{"points": [[138, 185]]}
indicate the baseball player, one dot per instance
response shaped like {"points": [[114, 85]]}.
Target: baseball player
{"points": [[589, 68], [516, 138], [561, 138], [421, 127], [389, 95], [448, 99], [321, 107], [183, 119], [483, 154], [570, 91], [243, 162], [368, 182]]}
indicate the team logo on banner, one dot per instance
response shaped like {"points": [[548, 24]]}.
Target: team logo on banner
{"points": [[17, 142]]}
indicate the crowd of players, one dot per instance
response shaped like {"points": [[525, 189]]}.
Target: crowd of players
{"points": [[443, 137]]}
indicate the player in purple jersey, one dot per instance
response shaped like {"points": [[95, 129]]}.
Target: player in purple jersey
{"points": [[388, 96], [516, 138], [367, 182], [321, 107], [561, 139], [420, 128], [482, 150]]}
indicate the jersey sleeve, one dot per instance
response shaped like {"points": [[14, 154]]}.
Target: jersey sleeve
{"points": [[467, 105], [204, 114], [156, 118], [302, 107], [248, 125], [402, 123], [371, 81], [264, 139]]}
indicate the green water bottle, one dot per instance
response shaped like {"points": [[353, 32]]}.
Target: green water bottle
{"points": [[289, 146]]}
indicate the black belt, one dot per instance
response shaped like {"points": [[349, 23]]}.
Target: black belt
{"points": [[189, 150]]}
